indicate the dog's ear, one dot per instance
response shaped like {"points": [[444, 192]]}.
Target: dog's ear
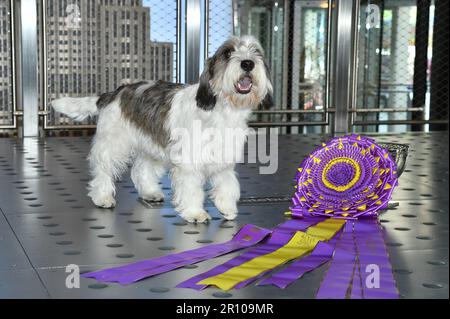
{"points": [[205, 97], [267, 102]]}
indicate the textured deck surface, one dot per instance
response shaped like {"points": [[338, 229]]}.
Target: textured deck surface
{"points": [[48, 222]]}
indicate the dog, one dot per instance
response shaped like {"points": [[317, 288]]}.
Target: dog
{"points": [[137, 123]]}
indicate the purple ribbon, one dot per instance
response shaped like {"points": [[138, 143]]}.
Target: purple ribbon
{"points": [[292, 225], [322, 253], [248, 236], [280, 236], [289, 227], [373, 257], [339, 274], [361, 253]]}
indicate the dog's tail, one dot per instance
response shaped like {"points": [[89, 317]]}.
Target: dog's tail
{"points": [[77, 108]]}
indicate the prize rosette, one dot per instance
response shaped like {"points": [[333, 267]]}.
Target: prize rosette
{"points": [[348, 177]]}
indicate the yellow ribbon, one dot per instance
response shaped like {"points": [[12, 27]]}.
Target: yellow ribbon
{"points": [[300, 244]]}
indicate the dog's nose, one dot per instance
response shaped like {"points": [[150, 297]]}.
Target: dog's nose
{"points": [[247, 65]]}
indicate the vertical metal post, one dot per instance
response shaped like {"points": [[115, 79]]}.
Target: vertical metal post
{"points": [[344, 42], [235, 17], [439, 77], [206, 29], [193, 23], [28, 20], [328, 65], [42, 14], [420, 61], [12, 23], [178, 43], [286, 100]]}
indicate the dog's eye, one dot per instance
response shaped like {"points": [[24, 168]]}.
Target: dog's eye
{"points": [[227, 54]]}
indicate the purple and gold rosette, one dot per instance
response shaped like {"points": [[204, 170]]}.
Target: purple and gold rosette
{"points": [[348, 177]]}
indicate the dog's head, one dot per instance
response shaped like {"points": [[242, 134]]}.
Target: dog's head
{"points": [[236, 73]]}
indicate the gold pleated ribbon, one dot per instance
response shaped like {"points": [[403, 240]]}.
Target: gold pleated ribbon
{"points": [[300, 244]]}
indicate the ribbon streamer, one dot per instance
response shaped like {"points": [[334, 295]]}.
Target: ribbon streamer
{"points": [[324, 232], [293, 225], [130, 273], [340, 273], [361, 253], [377, 280], [288, 226], [249, 235], [280, 236], [300, 244], [321, 254]]}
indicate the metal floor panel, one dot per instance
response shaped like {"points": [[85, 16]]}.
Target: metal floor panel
{"points": [[58, 239], [12, 255], [23, 284], [162, 286], [48, 222]]}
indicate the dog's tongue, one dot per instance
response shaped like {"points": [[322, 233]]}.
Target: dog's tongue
{"points": [[245, 83]]}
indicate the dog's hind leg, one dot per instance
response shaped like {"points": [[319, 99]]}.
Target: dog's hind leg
{"points": [[145, 175], [108, 158]]}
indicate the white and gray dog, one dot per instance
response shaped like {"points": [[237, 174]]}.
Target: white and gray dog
{"points": [[137, 123]]}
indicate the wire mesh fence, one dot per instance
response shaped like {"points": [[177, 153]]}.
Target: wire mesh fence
{"points": [[397, 48], [220, 23], [294, 37], [309, 63], [6, 76]]}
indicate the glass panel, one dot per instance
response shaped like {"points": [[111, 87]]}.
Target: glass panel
{"points": [[309, 61], [395, 53], [295, 50], [397, 62], [220, 23], [163, 32], [6, 101], [94, 46], [265, 21]]}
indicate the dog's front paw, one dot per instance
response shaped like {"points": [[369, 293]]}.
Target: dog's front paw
{"points": [[230, 216], [156, 196], [226, 207], [195, 216], [107, 201]]}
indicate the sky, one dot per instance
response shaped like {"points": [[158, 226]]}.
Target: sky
{"points": [[163, 21]]}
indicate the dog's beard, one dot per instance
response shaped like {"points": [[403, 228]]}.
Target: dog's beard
{"points": [[243, 91], [239, 100]]}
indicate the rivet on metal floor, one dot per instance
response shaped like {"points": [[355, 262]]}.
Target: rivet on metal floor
{"points": [[48, 222]]}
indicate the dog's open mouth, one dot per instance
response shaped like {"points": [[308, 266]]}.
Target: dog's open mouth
{"points": [[244, 85]]}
